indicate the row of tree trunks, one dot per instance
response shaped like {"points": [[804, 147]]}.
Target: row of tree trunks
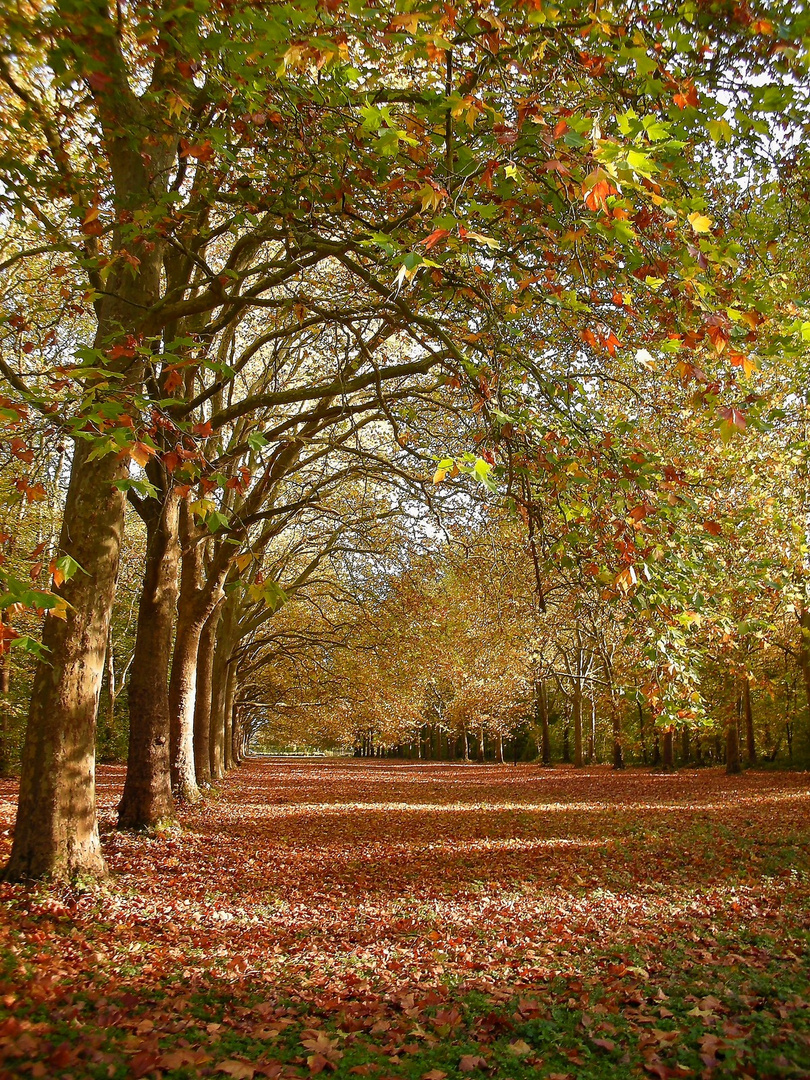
{"points": [[180, 700]]}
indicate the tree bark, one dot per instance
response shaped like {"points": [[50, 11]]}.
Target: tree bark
{"points": [[222, 662], [668, 762], [732, 748], [239, 741], [804, 651], [230, 698], [541, 713], [481, 745], [147, 797], [618, 749], [576, 716], [203, 697], [748, 717], [500, 748], [641, 733], [196, 601], [57, 831], [5, 686], [685, 744]]}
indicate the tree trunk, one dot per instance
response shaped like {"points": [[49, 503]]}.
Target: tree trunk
{"points": [[541, 713], [230, 698], [226, 634], [642, 738], [592, 734], [196, 602], [685, 744], [576, 715], [182, 697], [147, 797], [57, 830], [481, 746], [104, 732], [465, 745], [238, 739], [203, 696], [5, 686], [804, 651], [500, 748], [748, 717], [618, 750], [668, 762], [732, 748]]}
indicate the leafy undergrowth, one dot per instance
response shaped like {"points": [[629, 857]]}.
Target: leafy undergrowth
{"points": [[426, 921]]}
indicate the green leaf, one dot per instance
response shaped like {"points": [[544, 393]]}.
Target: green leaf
{"points": [[256, 441]]}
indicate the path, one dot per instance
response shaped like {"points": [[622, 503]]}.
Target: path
{"points": [[642, 920]]}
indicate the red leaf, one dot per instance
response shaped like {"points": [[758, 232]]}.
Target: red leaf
{"points": [[174, 380], [471, 1062], [145, 1061], [604, 1044], [435, 237]]}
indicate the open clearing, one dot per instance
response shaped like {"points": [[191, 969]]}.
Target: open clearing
{"points": [[389, 919]]}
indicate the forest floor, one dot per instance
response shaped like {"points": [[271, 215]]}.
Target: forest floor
{"points": [[426, 921]]}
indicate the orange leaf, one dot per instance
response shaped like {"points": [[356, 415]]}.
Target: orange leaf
{"points": [[141, 452], [435, 238]]}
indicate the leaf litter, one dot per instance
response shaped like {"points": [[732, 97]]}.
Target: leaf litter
{"points": [[425, 921]]}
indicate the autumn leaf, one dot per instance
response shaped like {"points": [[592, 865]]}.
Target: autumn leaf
{"points": [[141, 453], [520, 1047], [604, 1044], [236, 1068], [145, 1061], [700, 222], [173, 380], [471, 1062], [435, 237]]}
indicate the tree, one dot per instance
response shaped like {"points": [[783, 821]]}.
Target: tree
{"points": [[517, 227]]}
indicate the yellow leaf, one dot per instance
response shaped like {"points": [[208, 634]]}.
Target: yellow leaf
{"points": [[700, 222], [439, 475], [59, 611], [520, 1047]]}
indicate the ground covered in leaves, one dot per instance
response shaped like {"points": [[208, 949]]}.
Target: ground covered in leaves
{"points": [[397, 920]]}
